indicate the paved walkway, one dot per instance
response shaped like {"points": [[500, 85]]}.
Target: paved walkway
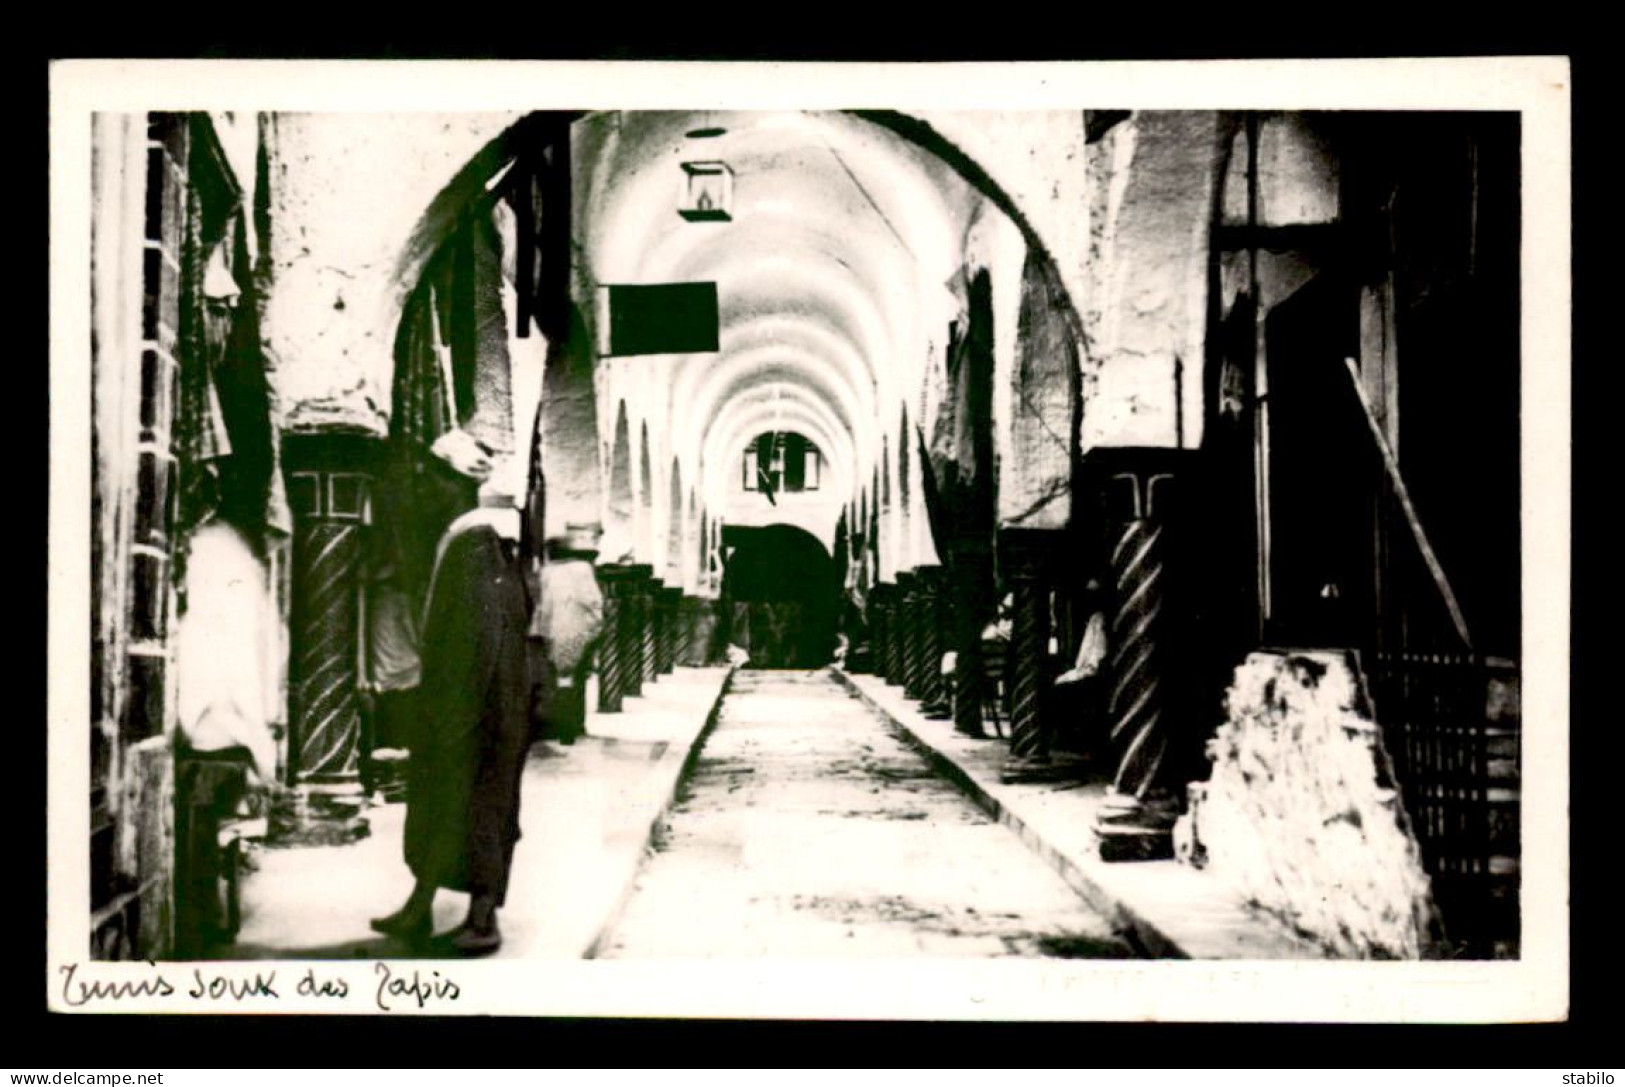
{"points": [[809, 830], [586, 813], [1171, 910]]}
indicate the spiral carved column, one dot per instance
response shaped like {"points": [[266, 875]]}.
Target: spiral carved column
{"points": [[971, 610], [908, 607], [933, 626], [671, 626], [683, 633], [891, 664], [328, 486], [634, 614], [920, 619], [662, 628], [877, 629], [1141, 662], [659, 632], [322, 695], [1136, 663], [896, 633], [648, 589], [1025, 558], [881, 625], [902, 628], [612, 660], [876, 619], [899, 628]]}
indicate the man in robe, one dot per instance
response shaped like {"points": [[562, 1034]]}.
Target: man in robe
{"points": [[462, 819], [414, 504]]}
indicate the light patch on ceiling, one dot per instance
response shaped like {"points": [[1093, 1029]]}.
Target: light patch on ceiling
{"points": [[842, 234]]}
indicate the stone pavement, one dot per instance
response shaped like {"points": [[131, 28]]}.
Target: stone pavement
{"points": [[808, 829], [1170, 910], [587, 812]]}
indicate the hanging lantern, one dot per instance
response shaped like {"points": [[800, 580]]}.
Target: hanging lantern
{"points": [[708, 192]]}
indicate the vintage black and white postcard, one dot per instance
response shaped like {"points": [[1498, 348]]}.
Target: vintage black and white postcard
{"points": [[961, 541]]}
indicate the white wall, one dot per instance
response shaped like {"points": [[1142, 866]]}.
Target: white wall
{"points": [[346, 193]]}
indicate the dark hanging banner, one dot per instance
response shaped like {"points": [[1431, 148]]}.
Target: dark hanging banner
{"points": [[661, 319]]}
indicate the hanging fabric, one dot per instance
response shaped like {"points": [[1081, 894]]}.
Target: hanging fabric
{"points": [[960, 450], [225, 431], [936, 514]]}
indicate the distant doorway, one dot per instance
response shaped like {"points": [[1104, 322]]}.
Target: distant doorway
{"points": [[780, 592]]}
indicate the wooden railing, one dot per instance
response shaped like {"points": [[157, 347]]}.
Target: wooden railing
{"points": [[1457, 767], [1457, 771]]}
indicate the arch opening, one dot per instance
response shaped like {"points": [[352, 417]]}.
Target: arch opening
{"points": [[618, 513], [781, 596], [848, 255], [643, 503], [674, 526]]}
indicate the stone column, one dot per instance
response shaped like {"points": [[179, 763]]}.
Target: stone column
{"points": [[634, 614], [908, 620], [1024, 560], [875, 617], [615, 580], [1137, 487], [966, 576], [879, 626], [684, 630], [925, 663], [329, 481], [671, 618], [896, 633], [934, 701], [659, 630], [648, 588]]}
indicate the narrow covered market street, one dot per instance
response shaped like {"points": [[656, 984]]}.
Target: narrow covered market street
{"points": [[1044, 533]]}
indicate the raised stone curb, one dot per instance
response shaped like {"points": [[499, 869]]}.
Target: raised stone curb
{"points": [[1167, 909], [670, 772]]}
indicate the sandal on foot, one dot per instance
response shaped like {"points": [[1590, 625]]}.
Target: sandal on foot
{"points": [[411, 927]]}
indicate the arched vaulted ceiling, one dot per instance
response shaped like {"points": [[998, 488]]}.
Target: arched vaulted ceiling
{"points": [[831, 275]]}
